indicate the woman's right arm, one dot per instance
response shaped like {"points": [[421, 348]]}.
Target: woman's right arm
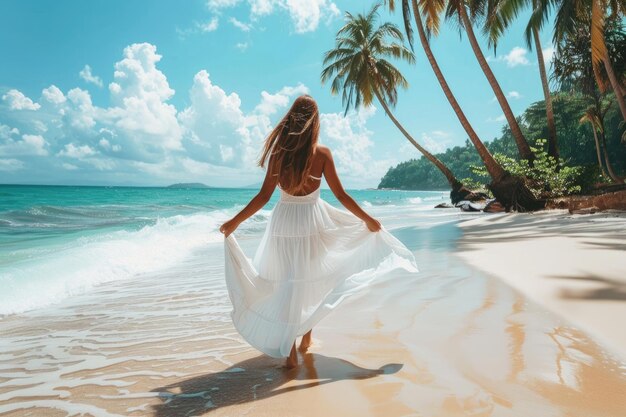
{"points": [[344, 198]]}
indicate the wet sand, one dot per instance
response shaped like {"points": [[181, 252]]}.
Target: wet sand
{"points": [[449, 341]]}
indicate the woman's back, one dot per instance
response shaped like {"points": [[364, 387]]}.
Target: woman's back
{"points": [[313, 182]]}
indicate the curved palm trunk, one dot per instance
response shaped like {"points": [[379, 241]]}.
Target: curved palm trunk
{"points": [[493, 167], [598, 153], [615, 84], [520, 140], [553, 148], [616, 179], [454, 183]]}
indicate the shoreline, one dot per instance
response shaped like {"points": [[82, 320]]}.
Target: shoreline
{"points": [[572, 265], [446, 342]]}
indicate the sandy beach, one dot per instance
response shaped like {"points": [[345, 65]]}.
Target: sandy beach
{"points": [[572, 265], [449, 341]]}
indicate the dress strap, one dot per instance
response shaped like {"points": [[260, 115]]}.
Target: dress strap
{"points": [[312, 176]]}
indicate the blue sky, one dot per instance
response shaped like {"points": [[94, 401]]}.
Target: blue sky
{"points": [[151, 93]]}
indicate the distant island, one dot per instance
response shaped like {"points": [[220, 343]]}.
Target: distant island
{"points": [[189, 185], [253, 186]]}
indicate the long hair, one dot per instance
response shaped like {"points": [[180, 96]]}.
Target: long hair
{"points": [[289, 148]]}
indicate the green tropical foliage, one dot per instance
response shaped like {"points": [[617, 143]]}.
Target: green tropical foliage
{"points": [[577, 149], [546, 178]]}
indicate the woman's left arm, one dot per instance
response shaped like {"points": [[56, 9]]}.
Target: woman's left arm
{"points": [[259, 200]]}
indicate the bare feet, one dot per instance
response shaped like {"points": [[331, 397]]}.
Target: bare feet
{"points": [[292, 359], [306, 341]]}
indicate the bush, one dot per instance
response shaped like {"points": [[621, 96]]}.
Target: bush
{"points": [[476, 186], [547, 178]]}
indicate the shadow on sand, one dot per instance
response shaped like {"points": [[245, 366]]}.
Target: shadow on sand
{"points": [[254, 379], [610, 289]]}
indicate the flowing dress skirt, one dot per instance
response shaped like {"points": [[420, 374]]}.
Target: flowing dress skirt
{"points": [[310, 258]]}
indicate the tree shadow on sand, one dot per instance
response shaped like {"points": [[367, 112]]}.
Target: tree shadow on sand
{"points": [[610, 289], [254, 379]]}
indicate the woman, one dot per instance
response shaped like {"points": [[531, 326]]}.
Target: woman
{"points": [[312, 254]]}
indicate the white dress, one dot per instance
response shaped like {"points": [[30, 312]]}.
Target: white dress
{"points": [[310, 258]]}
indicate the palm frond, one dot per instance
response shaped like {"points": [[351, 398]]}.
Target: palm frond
{"points": [[357, 65], [598, 46], [406, 18]]}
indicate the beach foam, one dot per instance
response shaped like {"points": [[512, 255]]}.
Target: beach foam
{"points": [[76, 266]]}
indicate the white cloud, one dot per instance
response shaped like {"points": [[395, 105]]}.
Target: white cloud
{"points": [[212, 119], [271, 103], [515, 57], [209, 26], [199, 27], [86, 75], [305, 14], [6, 131], [78, 152], [216, 5], [351, 144], [11, 164], [434, 142], [219, 132], [28, 145], [548, 54], [140, 137], [102, 164], [262, 7], [498, 119], [53, 95], [226, 152], [242, 46], [80, 112], [18, 101], [106, 145], [511, 94], [244, 27], [140, 93], [514, 94], [440, 134]]}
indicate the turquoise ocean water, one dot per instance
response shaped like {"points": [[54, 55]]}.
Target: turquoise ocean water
{"points": [[57, 241]]}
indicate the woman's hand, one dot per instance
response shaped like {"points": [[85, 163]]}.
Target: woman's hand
{"points": [[373, 225], [228, 227]]}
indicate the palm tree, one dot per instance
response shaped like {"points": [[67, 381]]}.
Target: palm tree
{"points": [[574, 71], [507, 189], [595, 115], [590, 117], [457, 9], [499, 15], [594, 13], [359, 70]]}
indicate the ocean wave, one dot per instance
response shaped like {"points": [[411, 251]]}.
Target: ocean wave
{"points": [[442, 197], [76, 266]]}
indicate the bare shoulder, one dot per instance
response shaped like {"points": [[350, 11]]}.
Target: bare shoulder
{"points": [[324, 152]]}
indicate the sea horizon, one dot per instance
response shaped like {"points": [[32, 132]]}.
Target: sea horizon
{"points": [[207, 186]]}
